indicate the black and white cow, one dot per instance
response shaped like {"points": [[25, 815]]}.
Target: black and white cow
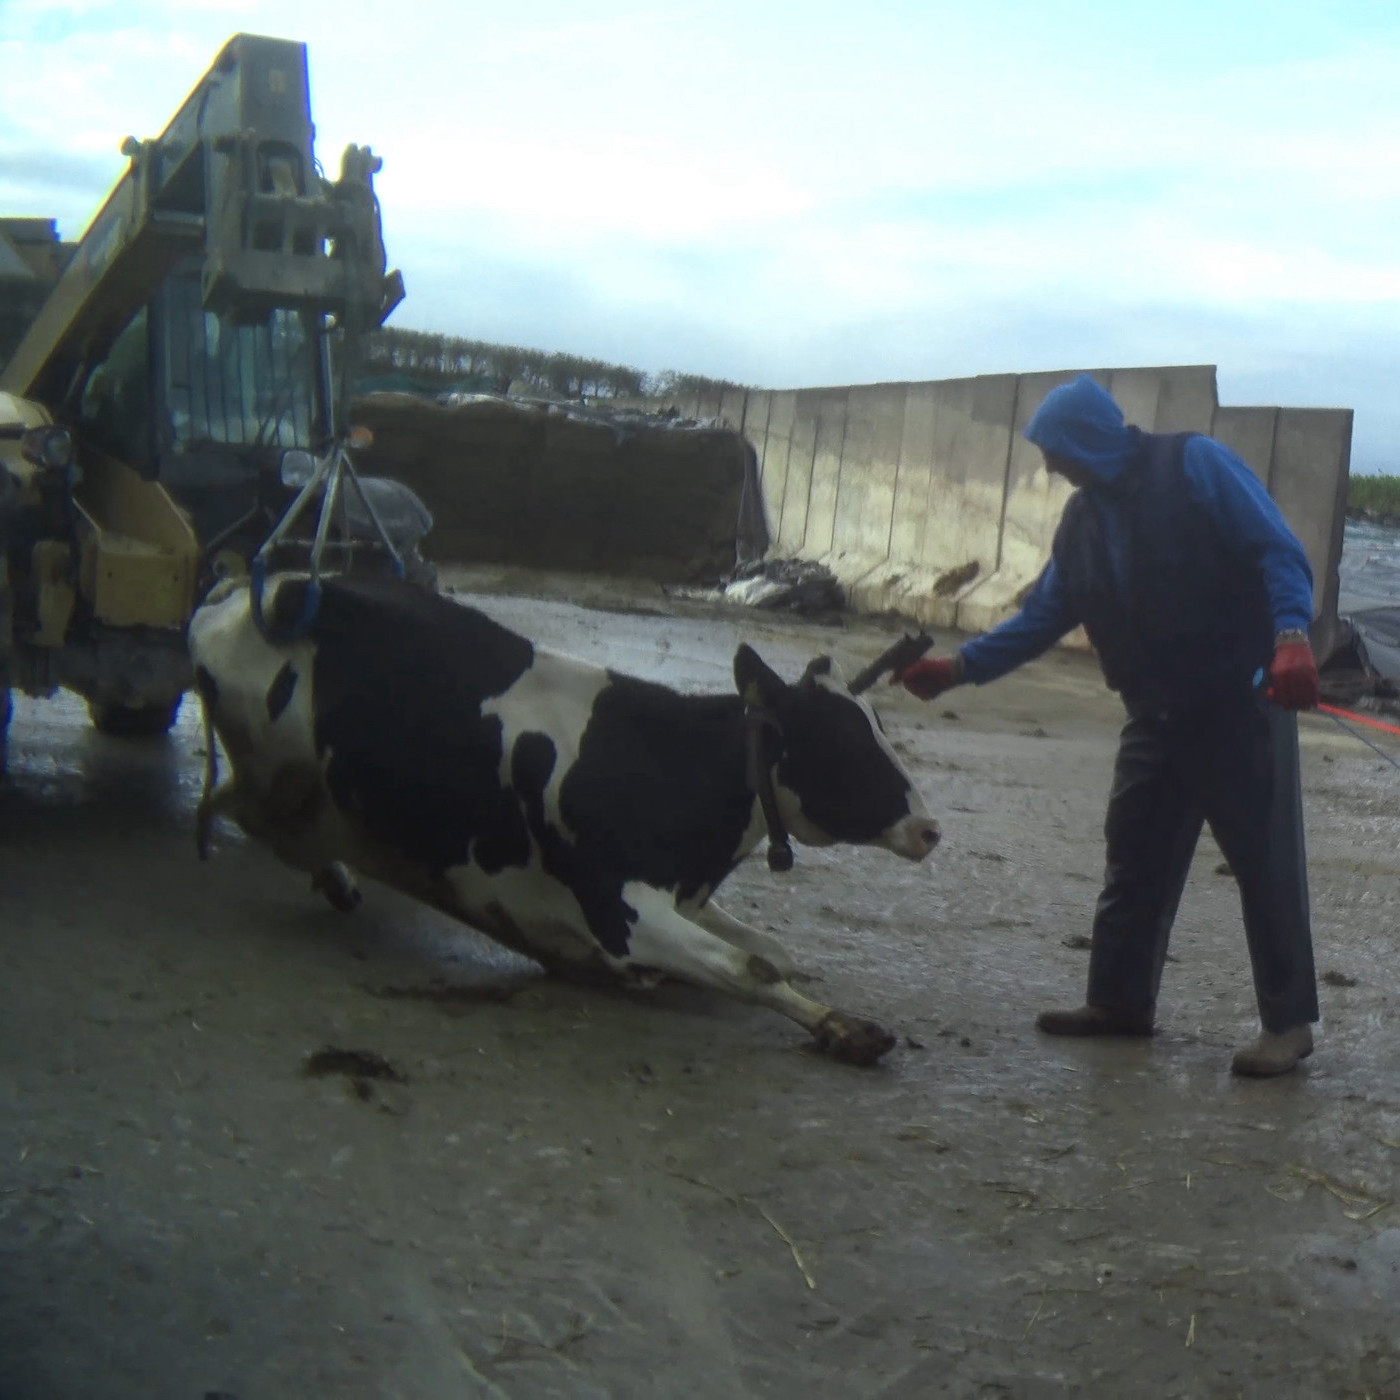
{"points": [[576, 815]]}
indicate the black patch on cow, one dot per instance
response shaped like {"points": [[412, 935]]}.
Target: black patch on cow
{"points": [[398, 682], [597, 888], [206, 685], [280, 692], [658, 791], [832, 759]]}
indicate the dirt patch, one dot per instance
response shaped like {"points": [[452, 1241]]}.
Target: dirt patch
{"points": [[354, 1064]]}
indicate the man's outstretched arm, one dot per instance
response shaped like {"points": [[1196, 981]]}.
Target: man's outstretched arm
{"points": [[1045, 617]]}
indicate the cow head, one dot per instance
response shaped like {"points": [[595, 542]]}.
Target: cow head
{"points": [[836, 777]]}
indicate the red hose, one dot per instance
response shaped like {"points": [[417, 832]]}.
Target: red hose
{"points": [[1360, 719]]}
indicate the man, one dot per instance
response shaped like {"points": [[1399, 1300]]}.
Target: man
{"points": [[1197, 598]]}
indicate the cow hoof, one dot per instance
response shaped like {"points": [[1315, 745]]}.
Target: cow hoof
{"points": [[851, 1040], [339, 888]]}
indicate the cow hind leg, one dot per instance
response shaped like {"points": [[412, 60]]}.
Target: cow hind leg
{"points": [[664, 940]]}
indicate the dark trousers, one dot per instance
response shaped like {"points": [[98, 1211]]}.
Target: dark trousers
{"points": [[1234, 763]]}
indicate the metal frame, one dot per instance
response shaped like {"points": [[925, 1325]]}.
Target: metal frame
{"points": [[329, 479]]}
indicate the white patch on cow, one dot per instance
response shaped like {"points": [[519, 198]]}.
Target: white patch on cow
{"points": [[665, 940], [554, 697], [740, 935], [546, 913], [223, 639]]}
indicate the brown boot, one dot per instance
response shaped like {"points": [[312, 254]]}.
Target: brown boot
{"points": [[1095, 1020], [1275, 1052]]}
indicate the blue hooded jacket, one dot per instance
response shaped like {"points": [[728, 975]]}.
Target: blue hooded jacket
{"points": [[1080, 421]]}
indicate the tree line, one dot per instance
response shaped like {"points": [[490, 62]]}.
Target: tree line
{"points": [[446, 362]]}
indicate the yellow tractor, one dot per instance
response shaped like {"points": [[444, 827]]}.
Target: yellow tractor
{"points": [[183, 385]]}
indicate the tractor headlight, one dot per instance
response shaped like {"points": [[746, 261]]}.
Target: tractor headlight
{"points": [[50, 447], [298, 467]]}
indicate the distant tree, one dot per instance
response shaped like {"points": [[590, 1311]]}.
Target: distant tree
{"points": [[672, 383], [450, 361]]}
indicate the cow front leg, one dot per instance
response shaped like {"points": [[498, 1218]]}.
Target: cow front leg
{"points": [[743, 936], [664, 940]]}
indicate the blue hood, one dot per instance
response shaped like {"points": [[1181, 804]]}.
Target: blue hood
{"points": [[1080, 421]]}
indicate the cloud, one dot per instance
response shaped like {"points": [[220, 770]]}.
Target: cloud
{"points": [[839, 193]]}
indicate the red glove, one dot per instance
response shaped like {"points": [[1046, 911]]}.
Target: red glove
{"points": [[933, 675], [1293, 683]]}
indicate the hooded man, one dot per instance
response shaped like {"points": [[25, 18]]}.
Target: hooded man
{"points": [[1197, 598]]}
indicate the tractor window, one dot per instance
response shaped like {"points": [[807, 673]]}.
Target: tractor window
{"points": [[115, 406], [248, 386]]}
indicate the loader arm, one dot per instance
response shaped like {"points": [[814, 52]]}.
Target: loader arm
{"points": [[233, 183]]}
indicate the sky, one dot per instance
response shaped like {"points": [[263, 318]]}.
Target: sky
{"points": [[788, 195]]}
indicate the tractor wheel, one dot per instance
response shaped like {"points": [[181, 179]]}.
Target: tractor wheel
{"points": [[134, 721]]}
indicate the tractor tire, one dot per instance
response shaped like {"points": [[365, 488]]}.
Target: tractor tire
{"points": [[134, 721]]}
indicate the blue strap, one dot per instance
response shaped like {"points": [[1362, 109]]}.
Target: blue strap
{"points": [[311, 605]]}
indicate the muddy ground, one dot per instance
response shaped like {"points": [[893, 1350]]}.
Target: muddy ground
{"points": [[573, 1193]]}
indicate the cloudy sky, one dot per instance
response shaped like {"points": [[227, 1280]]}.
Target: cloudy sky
{"points": [[796, 194]]}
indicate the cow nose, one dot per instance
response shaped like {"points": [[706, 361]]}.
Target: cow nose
{"points": [[913, 837]]}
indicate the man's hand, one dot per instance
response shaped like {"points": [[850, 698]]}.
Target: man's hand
{"points": [[1293, 682], [933, 675]]}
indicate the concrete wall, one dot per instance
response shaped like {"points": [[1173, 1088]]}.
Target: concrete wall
{"points": [[925, 499]]}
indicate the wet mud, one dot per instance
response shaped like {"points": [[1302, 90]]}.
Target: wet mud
{"points": [[581, 1192]]}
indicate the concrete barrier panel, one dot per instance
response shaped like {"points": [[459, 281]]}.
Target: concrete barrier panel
{"points": [[852, 482], [757, 403], [865, 502], [1249, 434], [1138, 393], [955, 456], [1308, 479], [967, 502], [876, 567], [773, 462], [1187, 400], [1034, 502], [731, 408], [926, 499], [914, 474], [797, 489], [826, 474]]}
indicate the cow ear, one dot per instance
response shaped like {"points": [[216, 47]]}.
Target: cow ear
{"points": [[818, 666], [757, 682]]}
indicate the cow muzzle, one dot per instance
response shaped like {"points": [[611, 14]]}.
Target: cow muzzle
{"points": [[913, 837]]}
